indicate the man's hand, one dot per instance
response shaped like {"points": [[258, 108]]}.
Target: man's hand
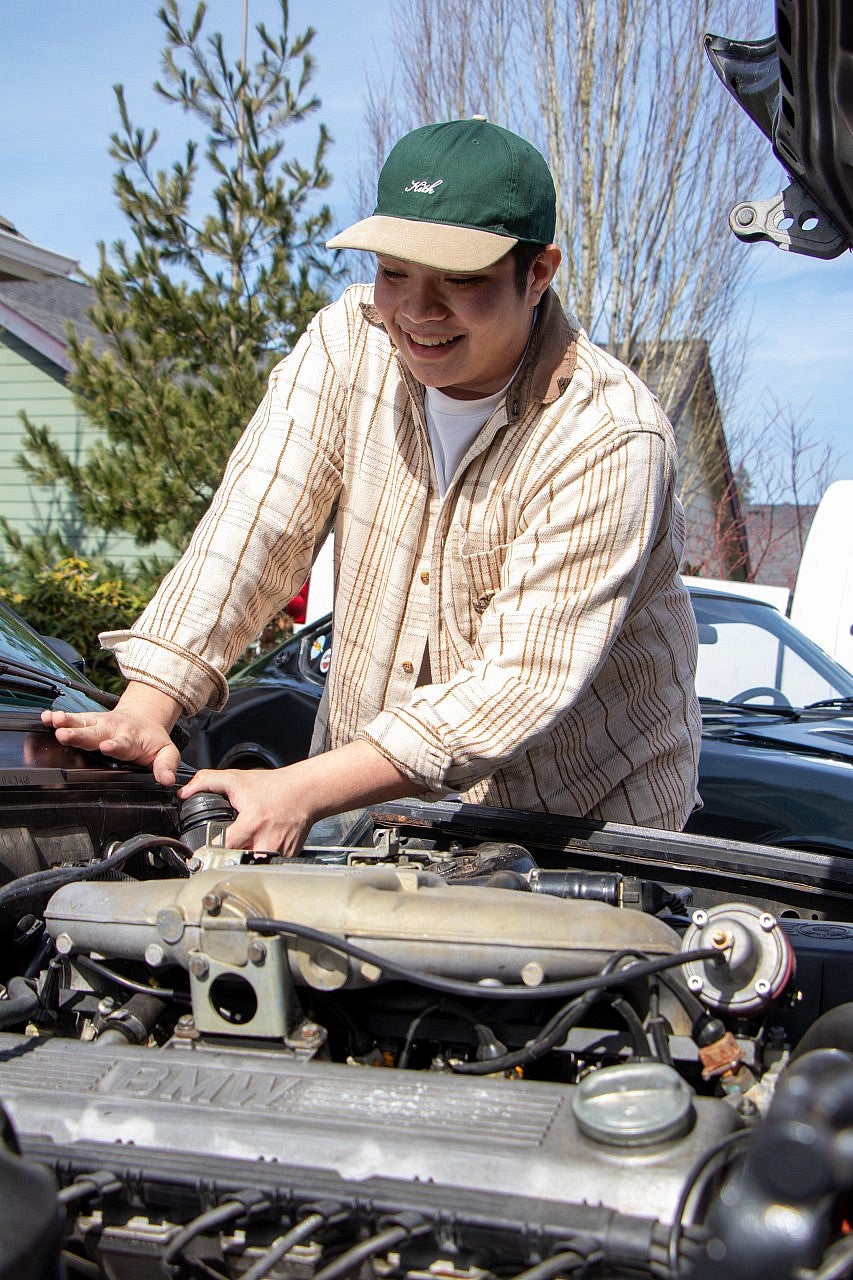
{"points": [[270, 806], [137, 729], [277, 807]]}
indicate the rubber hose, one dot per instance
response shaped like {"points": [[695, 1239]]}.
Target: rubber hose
{"points": [[20, 1004], [832, 1030]]}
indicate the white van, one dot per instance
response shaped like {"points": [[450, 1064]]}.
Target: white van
{"points": [[822, 604]]}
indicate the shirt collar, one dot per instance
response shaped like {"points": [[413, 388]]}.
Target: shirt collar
{"points": [[548, 364]]}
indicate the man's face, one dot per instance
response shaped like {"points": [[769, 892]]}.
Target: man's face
{"points": [[463, 333]]}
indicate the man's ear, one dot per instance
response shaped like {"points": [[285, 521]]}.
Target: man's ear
{"points": [[542, 272]]}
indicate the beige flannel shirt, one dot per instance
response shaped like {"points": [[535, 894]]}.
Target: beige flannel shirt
{"points": [[543, 588]]}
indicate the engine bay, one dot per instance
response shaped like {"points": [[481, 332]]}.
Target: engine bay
{"points": [[444, 1041]]}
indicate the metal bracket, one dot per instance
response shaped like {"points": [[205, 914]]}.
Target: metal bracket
{"points": [[212, 855], [251, 999], [792, 221]]}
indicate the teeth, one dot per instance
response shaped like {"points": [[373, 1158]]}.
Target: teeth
{"points": [[430, 342]]}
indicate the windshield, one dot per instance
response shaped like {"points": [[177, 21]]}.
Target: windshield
{"points": [[749, 651], [22, 648]]}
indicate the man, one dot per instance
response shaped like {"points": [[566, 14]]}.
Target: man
{"points": [[509, 620]]}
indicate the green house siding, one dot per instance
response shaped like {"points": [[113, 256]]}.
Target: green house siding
{"points": [[28, 380], [31, 382]]}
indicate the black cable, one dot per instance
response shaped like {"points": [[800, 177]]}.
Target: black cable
{"points": [[551, 1034], [657, 1027], [457, 986], [219, 1216], [73, 1264], [351, 1259], [690, 1003], [691, 1244], [170, 856], [88, 1186], [636, 1031], [447, 1007], [216, 1217], [403, 1060], [570, 1257], [277, 1250], [201, 1270], [138, 988], [39, 960], [554, 1031], [56, 877], [698, 1173]]}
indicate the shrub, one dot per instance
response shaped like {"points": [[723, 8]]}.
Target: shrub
{"points": [[75, 601]]}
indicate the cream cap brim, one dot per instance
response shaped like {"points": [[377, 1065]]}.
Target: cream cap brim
{"points": [[430, 244]]}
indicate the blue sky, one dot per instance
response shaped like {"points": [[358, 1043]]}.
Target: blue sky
{"points": [[60, 58]]}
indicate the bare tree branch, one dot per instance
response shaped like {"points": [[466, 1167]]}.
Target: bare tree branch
{"points": [[647, 153]]}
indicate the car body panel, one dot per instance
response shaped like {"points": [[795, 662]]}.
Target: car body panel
{"points": [[57, 803]]}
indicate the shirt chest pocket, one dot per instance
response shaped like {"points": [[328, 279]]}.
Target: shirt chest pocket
{"points": [[482, 572]]}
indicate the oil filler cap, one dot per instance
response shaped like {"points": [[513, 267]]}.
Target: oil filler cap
{"points": [[634, 1104]]}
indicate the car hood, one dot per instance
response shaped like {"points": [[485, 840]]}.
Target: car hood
{"points": [[827, 736]]}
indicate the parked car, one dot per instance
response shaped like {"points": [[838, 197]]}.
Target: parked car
{"points": [[454, 1042], [272, 702], [59, 804], [776, 764]]}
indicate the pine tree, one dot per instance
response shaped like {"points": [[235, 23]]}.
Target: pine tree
{"points": [[198, 306]]}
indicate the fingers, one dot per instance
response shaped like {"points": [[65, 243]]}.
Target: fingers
{"points": [[165, 765], [72, 721], [267, 814], [265, 837], [118, 735], [86, 731], [216, 780]]}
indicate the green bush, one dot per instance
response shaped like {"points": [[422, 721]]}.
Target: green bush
{"points": [[74, 601]]}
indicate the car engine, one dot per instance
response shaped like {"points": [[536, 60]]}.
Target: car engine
{"points": [[444, 1043]]}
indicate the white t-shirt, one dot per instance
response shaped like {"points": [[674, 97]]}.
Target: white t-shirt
{"points": [[453, 426]]}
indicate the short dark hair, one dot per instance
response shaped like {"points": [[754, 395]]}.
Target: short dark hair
{"points": [[524, 253]]}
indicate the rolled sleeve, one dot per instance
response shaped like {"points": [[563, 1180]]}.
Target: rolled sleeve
{"points": [[254, 547]]}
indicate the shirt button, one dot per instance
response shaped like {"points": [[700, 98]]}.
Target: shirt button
{"points": [[408, 668], [425, 577]]}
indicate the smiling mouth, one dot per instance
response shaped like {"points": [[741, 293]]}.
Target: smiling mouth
{"points": [[431, 342]]}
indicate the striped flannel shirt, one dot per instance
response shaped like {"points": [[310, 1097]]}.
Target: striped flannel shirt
{"points": [[541, 594]]}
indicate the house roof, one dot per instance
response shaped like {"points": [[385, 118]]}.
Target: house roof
{"points": [[679, 372], [38, 311], [777, 535], [20, 259]]}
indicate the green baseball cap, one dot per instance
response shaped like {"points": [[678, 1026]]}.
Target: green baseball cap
{"points": [[457, 197]]}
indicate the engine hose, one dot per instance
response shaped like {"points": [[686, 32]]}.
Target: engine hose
{"points": [[795, 1170], [573, 1255], [303, 1230], [559, 988], [832, 1030], [399, 1228], [47, 881], [501, 879], [20, 1004], [132, 1023]]}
